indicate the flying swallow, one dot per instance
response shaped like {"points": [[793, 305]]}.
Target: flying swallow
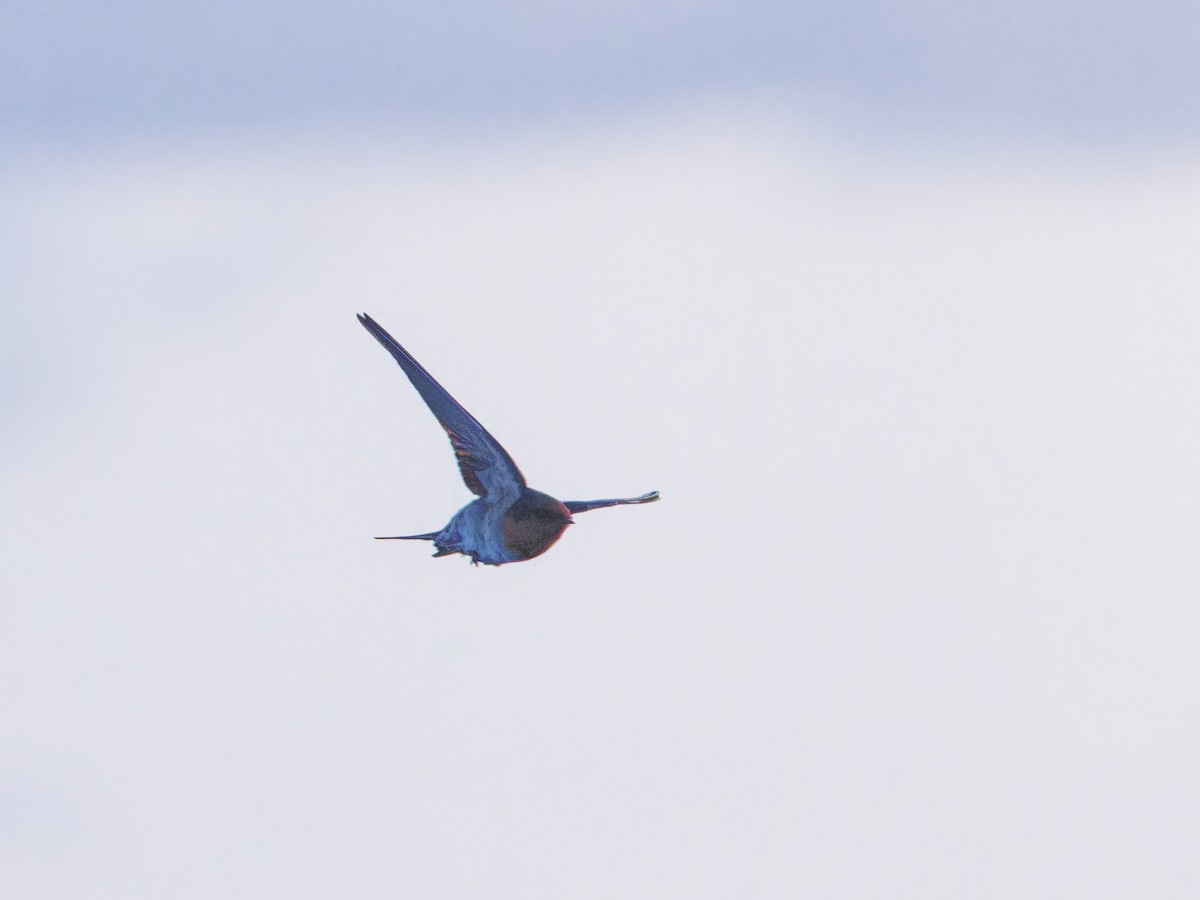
{"points": [[510, 521]]}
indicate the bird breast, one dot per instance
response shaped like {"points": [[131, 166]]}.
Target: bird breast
{"points": [[533, 523]]}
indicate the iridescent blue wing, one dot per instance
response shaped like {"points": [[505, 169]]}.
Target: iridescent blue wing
{"points": [[578, 506], [486, 468]]}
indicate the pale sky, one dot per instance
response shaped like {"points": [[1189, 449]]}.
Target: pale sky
{"points": [[911, 362]]}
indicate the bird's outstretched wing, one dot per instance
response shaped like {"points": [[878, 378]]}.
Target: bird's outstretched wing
{"points": [[486, 468], [578, 506]]}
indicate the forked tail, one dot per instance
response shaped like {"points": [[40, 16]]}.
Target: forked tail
{"points": [[410, 537]]}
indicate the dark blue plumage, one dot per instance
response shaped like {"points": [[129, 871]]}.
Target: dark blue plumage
{"points": [[509, 521]]}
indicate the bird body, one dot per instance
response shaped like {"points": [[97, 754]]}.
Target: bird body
{"points": [[509, 522]]}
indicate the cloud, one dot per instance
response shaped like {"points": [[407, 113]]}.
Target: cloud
{"points": [[1082, 73], [913, 615]]}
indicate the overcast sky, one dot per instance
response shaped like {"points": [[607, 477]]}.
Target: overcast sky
{"points": [[896, 306], [1051, 69]]}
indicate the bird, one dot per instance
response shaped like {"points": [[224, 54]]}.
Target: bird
{"points": [[509, 521]]}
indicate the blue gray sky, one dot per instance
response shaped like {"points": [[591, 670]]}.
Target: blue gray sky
{"points": [[1057, 70], [896, 306]]}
